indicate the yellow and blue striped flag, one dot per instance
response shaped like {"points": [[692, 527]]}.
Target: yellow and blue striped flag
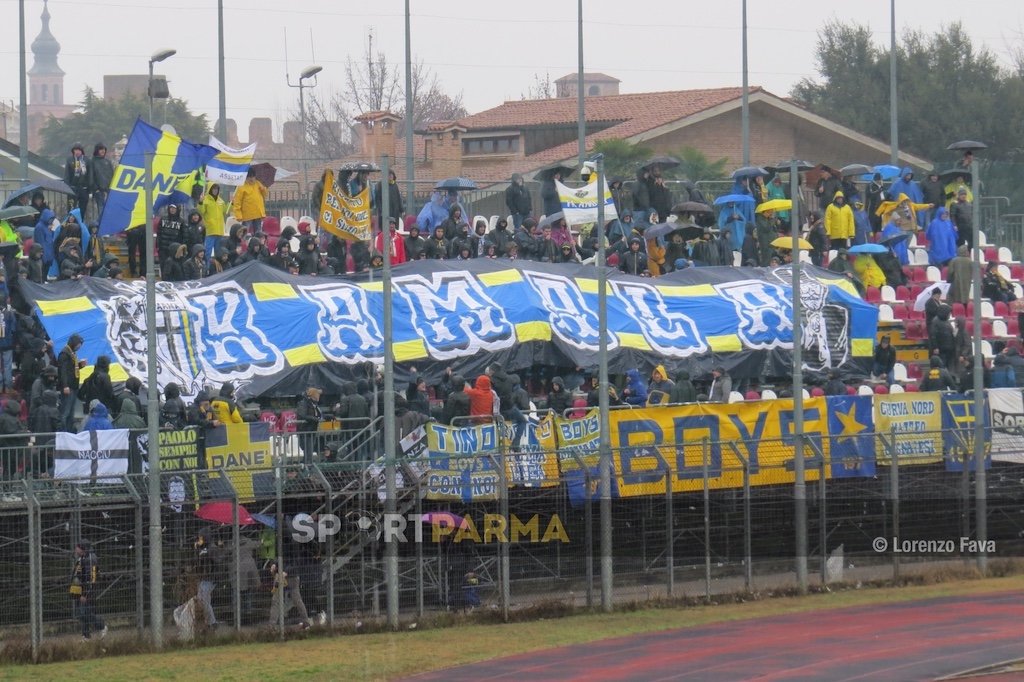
{"points": [[175, 162], [230, 165]]}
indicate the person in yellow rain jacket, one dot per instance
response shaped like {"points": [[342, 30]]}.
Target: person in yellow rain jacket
{"points": [[870, 274], [839, 222], [247, 203], [906, 209]]}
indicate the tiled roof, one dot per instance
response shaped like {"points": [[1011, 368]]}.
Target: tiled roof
{"points": [[596, 76], [642, 111], [374, 115]]}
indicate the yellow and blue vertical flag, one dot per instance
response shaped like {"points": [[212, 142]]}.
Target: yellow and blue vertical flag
{"points": [[175, 162]]}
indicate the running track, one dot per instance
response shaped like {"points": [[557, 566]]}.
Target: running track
{"points": [[917, 640]]}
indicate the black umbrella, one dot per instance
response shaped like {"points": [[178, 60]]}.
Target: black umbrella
{"points": [[952, 174], [9, 249], [691, 207], [748, 172], [666, 162], [967, 145], [547, 172], [360, 166], [894, 239], [688, 230], [784, 167], [551, 219], [51, 184], [457, 184], [856, 169]]}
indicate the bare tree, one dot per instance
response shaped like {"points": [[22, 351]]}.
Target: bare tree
{"points": [[429, 100], [541, 88], [372, 84]]}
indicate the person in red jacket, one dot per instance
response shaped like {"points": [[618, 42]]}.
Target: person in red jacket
{"points": [[397, 243], [482, 399]]}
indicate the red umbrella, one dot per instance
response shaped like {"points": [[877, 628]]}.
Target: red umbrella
{"points": [[268, 174], [220, 512]]}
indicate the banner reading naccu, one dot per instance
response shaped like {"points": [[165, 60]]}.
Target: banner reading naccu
{"points": [[275, 334]]}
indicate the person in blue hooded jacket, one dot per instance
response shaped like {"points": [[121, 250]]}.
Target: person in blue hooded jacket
{"points": [[69, 228], [746, 208], [861, 224], [907, 185], [941, 238], [433, 214], [99, 419], [734, 218], [43, 235], [635, 392], [893, 228]]}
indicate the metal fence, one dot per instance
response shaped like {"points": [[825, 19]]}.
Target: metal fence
{"points": [[696, 533]]}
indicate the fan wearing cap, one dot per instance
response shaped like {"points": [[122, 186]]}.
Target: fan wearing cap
{"points": [[396, 248], [308, 416]]}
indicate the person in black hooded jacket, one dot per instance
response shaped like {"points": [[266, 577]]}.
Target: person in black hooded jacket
{"points": [[173, 269], [12, 444], [308, 256], [35, 264], [172, 412], [634, 261], [101, 387], [195, 267], [237, 240], [457, 404], [559, 399], [282, 257], [416, 395], [252, 252], [193, 231], [937, 377], [941, 338], [169, 232]]}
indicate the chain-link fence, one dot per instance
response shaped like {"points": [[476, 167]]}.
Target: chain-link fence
{"points": [[682, 522]]}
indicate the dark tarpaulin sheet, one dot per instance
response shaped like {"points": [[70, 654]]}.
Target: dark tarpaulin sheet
{"points": [[275, 334]]}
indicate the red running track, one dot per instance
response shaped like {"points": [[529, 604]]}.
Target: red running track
{"points": [[916, 640]]}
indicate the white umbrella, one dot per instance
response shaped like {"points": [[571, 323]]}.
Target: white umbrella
{"points": [[923, 297]]}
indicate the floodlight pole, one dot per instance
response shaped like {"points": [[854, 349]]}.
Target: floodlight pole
{"points": [[222, 101], [410, 166], [156, 559], [894, 124], [980, 491], [390, 482], [799, 485], [581, 131], [22, 96], [604, 439], [746, 94]]}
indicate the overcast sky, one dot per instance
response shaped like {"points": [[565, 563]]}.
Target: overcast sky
{"points": [[489, 50]]}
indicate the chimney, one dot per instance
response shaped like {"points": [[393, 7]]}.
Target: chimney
{"points": [[377, 134], [232, 133], [261, 131], [293, 134], [446, 149]]}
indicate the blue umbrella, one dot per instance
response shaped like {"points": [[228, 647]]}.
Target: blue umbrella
{"points": [[888, 173], [266, 519], [734, 199], [867, 248]]}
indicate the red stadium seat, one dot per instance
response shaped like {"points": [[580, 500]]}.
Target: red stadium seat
{"points": [[1013, 327], [915, 315], [959, 310], [271, 227], [920, 274], [752, 395], [945, 271], [26, 246], [913, 332], [986, 329], [850, 390], [970, 310], [991, 254], [1001, 309], [922, 240], [911, 388], [271, 419], [908, 272], [900, 312], [914, 371], [272, 244], [1017, 271], [903, 294], [881, 389], [817, 392], [915, 291], [287, 422], [873, 295]]}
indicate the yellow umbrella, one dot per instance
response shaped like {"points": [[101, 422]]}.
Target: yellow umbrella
{"points": [[775, 205], [787, 242]]}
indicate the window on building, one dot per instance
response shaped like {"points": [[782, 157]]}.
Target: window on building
{"points": [[491, 145], [56, 94], [46, 93], [594, 90]]}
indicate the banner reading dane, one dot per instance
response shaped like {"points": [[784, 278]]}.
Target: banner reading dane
{"points": [[916, 419], [275, 334], [242, 451], [342, 215], [91, 456]]}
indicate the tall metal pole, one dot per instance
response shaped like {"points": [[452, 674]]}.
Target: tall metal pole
{"points": [[410, 169], [746, 94], [156, 555], [222, 128], [22, 96], [980, 493], [390, 484], [799, 485], [894, 126], [605, 438], [149, 91], [305, 164], [582, 124]]}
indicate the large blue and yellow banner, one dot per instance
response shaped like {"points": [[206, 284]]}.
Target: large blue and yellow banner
{"points": [[958, 430], [243, 453], [175, 162], [275, 334]]}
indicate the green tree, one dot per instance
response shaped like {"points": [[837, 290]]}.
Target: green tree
{"points": [[620, 157], [102, 120], [697, 167]]}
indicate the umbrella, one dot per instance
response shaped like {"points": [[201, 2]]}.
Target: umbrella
{"points": [[268, 174], [689, 230], [9, 249], [458, 184], [360, 166], [888, 172], [923, 297], [857, 169], [787, 243], [952, 174], [784, 166], [775, 205], [267, 520], [867, 248], [444, 518], [17, 212], [548, 171], [551, 219], [894, 239], [691, 207], [734, 199], [51, 184], [748, 172], [220, 512], [666, 162], [967, 145]]}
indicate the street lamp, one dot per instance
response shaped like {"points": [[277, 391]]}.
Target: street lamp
{"points": [[308, 73], [158, 56]]}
